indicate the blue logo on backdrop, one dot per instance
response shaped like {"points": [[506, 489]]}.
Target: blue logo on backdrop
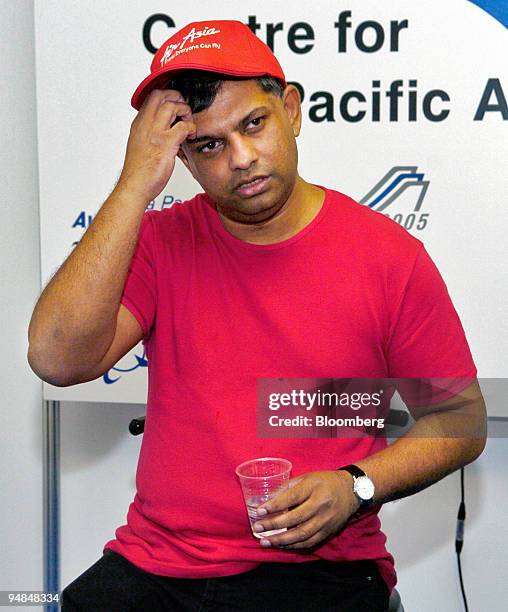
{"points": [[400, 188], [497, 8], [141, 362]]}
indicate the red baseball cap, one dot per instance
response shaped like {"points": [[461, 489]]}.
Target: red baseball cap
{"points": [[228, 47]]}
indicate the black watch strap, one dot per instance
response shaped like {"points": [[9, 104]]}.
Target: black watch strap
{"points": [[354, 470]]}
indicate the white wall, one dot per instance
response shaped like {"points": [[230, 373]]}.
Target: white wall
{"points": [[21, 396], [421, 536], [99, 456]]}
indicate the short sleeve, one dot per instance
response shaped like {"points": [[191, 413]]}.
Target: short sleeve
{"points": [[427, 340], [140, 289]]}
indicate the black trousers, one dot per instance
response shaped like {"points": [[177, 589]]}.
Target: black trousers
{"points": [[113, 584]]}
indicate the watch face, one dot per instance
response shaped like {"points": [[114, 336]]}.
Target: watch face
{"points": [[364, 488]]}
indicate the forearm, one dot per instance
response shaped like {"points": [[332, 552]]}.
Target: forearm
{"points": [[436, 445], [320, 503], [74, 319]]}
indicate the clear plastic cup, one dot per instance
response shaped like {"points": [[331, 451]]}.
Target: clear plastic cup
{"points": [[262, 479]]}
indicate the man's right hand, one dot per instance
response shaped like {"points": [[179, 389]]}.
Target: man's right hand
{"points": [[79, 328], [154, 141]]}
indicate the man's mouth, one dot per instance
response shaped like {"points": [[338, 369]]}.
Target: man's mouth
{"points": [[252, 187]]}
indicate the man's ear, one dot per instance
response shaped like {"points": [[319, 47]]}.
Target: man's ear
{"points": [[293, 106]]}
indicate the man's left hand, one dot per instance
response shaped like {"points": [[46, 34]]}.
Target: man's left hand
{"points": [[318, 504]]}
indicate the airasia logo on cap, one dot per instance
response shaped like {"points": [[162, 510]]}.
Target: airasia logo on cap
{"points": [[174, 49]]}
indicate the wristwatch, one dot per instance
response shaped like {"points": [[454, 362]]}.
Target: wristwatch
{"points": [[363, 487]]}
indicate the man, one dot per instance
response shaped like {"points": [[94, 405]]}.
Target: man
{"points": [[263, 275]]}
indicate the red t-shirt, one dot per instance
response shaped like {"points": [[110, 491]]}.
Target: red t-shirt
{"points": [[353, 294]]}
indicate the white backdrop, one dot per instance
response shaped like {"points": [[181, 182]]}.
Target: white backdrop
{"points": [[427, 163]]}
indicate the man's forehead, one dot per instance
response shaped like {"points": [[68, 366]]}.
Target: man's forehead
{"points": [[234, 101]]}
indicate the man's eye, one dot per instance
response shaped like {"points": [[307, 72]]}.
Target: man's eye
{"points": [[209, 146], [256, 122]]}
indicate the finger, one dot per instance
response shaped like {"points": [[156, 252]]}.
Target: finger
{"points": [[155, 98], [181, 131], [152, 103], [288, 498], [168, 112], [316, 540], [297, 516], [173, 94], [181, 104], [298, 535], [294, 481]]}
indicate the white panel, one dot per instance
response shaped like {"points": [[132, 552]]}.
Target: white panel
{"points": [[90, 58]]}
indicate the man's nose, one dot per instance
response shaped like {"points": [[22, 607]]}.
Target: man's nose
{"points": [[242, 152]]}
